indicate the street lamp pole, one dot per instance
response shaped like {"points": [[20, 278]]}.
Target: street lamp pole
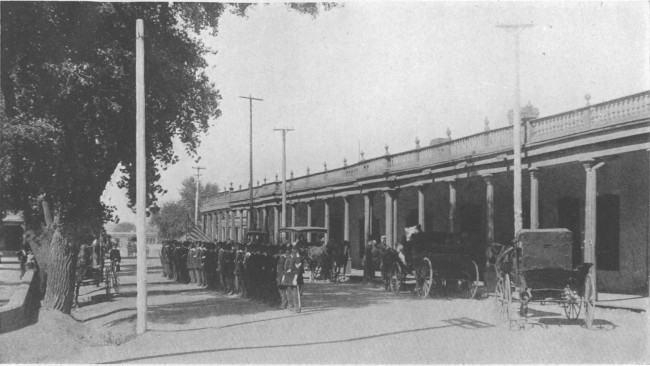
{"points": [[516, 130], [284, 173], [251, 217]]}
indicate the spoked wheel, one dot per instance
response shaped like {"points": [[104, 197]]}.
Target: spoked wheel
{"points": [[503, 298], [590, 299], [424, 278], [572, 301], [396, 279]]}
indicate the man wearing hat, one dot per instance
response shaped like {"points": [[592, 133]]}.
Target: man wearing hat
{"points": [[293, 264]]}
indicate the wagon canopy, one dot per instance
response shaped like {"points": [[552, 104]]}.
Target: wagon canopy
{"points": [[545, 248]]}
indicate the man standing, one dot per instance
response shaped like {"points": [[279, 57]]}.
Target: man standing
{"points": [[279, 277], [293, 265], [115, 257]]}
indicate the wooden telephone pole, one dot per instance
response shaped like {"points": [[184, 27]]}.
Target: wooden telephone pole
{"points": [[284, 173], [141, 181], [516, 125], [251, 217]]}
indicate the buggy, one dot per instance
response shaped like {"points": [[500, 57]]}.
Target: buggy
{"points": [[537, 267], [436, 263]]}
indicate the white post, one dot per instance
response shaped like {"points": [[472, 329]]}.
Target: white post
{"points": [[516, 128], [141, 181]]}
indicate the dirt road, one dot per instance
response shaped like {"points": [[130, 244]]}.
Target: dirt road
{"points": [[341, 324]]}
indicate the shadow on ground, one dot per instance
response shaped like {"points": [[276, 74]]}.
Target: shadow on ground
{"points": [[464, 323]]}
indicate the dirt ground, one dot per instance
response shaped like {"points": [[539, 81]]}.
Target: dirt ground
{"points": [[339, 324]]}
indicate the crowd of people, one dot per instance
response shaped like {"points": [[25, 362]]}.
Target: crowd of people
{"points": [[267, 273]]}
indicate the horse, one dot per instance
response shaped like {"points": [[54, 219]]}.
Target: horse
{"points": [[339, 253], [388, 256], [318, 257]]}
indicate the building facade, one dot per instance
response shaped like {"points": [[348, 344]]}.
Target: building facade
{"points": [[586, 170]]}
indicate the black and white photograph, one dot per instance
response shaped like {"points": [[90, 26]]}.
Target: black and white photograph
{"points": [[363, 182]]}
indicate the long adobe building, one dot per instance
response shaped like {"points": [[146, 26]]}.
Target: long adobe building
{"points": [[586, 170]]}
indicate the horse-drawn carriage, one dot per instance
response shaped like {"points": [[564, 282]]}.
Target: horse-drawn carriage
{"points": [[436, 262], [537, 267], [93, 268], [324, 260]]}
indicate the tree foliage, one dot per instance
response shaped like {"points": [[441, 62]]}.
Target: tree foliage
{"points": [[123, 226], [68, 78], [188, 193], [67, 83], [172, 220]]}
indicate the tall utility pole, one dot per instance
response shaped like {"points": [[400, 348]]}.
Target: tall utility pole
{"points": [[251, 217], [284, 173], [198, 187], [516, 130], [141, 181]]}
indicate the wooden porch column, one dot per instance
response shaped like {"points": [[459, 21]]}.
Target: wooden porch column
{"points": [[346, 218], [421, 211], [591, 195], [240, 236], [233, 230], [276, 225], [293, 220], [327, 219], [265, 223], [309, 222], [395, 236], [489, 207], [389, 218], [224, 225], [452, 206], [534, 198], [211, 225], [367, 216]]}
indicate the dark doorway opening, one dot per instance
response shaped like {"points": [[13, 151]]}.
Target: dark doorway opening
{"points": [[608, 228], [568, 217]]}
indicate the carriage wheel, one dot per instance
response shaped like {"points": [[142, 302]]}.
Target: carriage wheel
{"points": [[425, 278], [396, 279], [503, 298], [572, 301], [472, 283], [590, 300]]}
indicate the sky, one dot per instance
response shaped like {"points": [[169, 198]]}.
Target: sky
{"points": [[374, 74]]}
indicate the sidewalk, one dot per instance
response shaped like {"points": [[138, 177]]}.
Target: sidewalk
{"points": [[9, 278], [635, 303]]}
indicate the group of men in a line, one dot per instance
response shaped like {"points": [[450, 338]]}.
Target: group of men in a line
{"points": [[263, 272]]}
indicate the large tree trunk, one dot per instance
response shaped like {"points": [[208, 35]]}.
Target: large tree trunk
{"points": [[56, 247], [61, 269], [57, 259]]}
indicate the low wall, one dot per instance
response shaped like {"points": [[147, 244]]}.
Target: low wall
{"points": [[22, 308]]}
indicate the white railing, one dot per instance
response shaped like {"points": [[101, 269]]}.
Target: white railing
{"points": [[613, 112]]}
